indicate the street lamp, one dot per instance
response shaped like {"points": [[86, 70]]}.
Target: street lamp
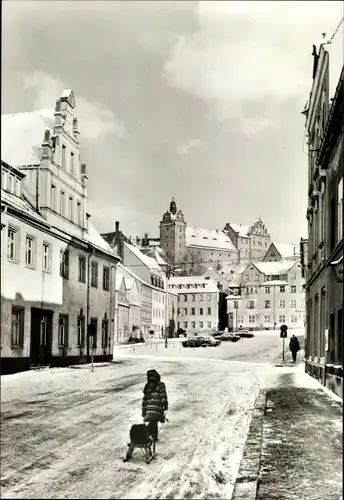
{"points": [[337, 268]]}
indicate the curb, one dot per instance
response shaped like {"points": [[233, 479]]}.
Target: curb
{"points": [[245, 487]]}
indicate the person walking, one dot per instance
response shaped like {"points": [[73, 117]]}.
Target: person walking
{"points": [[294, 347], [154, 403]]}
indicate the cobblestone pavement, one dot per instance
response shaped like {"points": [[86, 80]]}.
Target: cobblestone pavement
{"points": [[302, 444]]}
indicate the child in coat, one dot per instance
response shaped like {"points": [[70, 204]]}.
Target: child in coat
{"points": [[154, 403]]}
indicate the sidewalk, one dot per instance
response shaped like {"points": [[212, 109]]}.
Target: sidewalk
{"points": [[294, 447]]}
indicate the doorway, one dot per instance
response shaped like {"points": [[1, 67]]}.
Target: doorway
{"points": [[41, 336]]}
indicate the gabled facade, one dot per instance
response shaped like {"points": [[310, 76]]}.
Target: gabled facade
{"points": [[122, 309], [324, 126], [58, 275], [252, 242], [280, 251], [270, 294]]}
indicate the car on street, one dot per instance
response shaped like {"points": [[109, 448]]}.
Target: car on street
{"points": [[135, 340], [209, 341], [244, 334], [228, 337], [192, 342]]}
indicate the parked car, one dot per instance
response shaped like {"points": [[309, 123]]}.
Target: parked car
{"points": [[209, 341], [135, 340], [244, 334], [217, 334], [192, 342], [228, 337]]}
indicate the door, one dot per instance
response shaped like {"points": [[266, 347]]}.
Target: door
{"points": [[41, 336]]}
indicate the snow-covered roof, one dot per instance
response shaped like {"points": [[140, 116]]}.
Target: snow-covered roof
{"points": [[157, 253], [93, 237], [274, 268], [285, 249], [240, 229], [210, 238], [119, 279], [22, 135], [196, 284], [21, 204], [124, 271], [145, 259]]}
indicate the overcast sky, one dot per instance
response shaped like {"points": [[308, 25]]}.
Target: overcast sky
{"points": [[197, 100]]}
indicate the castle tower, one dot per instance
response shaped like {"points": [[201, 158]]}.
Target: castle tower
{"points": [[172, 233]]}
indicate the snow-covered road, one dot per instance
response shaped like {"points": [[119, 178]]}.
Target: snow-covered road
{"points": [[65, 431]]}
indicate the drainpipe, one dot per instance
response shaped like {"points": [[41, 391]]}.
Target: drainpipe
{"points": [[37, 188], [112, 305]]}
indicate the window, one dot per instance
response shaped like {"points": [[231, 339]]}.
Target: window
{"points": [[293, 304], [17, 187], [185, 324], [12, 244], [201, 311], [256, 277], [72, 163], [208, 297], [63, 156], [267, 318], [201, 297], [94, 274], [209, 311], [64, 264], [78, 213], [29, 251], [193, 298], [282, 303], [282, 289], [185, 298], [293, 289], [193, 324], [293, 318], [106, 278], [17, 326], [185, 312], [251, 304], [209, 324], [46, 258], [105, 332], [82, 269], [251, 319], [63, 330], [193, 311], [340, 210], [283, 277], [293, 276], [11, 184], [281, 318], [62, 203], [267, 304], [53, 197], [201, 324], [4, 180], [267, 289], [70, 208], [81, 331], [235, 304]]}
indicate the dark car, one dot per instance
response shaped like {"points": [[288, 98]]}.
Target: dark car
{"points": [[192, 342], [217, 334], [135, 340], [228, 337], [209, 341], [244, 334]]}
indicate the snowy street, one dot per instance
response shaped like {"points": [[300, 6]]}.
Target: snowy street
{"points": [[65, 431]]}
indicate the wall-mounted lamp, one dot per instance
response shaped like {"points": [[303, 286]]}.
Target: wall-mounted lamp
{"points": [[337, 267]]}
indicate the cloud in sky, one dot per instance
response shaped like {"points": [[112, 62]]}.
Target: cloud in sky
{"points": [[249, 52], [188, 147], [95, 120], [209, 95]]}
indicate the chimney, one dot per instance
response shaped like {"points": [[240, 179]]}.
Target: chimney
{"points": [[137, 240], [117, 226]]}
